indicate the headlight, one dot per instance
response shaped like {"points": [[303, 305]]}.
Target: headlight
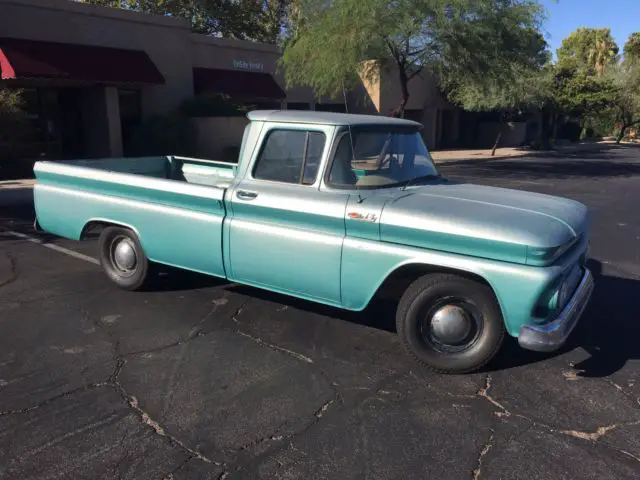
{"points": [[559, 292], [569, 284], [548, 255]]}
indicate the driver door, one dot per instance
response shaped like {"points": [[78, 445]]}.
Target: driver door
{"points": [[285, 234]]}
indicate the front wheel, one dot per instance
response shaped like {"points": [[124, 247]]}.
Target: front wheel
{"points": [[122, 258], [450, 324]]}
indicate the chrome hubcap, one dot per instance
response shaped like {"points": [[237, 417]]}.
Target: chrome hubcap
{"points": [[123, 255], [451, 324]]}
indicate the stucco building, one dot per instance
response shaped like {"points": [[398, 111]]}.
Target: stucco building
{"points": [[92, 74]]}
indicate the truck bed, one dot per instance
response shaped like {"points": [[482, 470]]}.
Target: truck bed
{"points": [[175, 204], [198, 171]]}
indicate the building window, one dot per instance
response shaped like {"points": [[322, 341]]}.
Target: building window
{"points": [[42, 108], [130, 117], [290, 156]]}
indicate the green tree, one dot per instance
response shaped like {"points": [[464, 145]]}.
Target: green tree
{"points": [[483, 41], [14, 128], [555, 90], [581, 95], [632, 48], [613, 92], [257, 20], [626, 100], [272, 17], [528, 90], [588, 48]]}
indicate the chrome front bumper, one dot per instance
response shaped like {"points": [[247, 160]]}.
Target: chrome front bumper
{"points": [[552, 335]]}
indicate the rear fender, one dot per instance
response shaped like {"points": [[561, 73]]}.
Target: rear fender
{"points": [[107, 222]]}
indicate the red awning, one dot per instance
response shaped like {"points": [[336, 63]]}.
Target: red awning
{"points": [[237, 84], [31, 59]]}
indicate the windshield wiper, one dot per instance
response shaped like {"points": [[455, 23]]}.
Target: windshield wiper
{"points": [[430, 176]]}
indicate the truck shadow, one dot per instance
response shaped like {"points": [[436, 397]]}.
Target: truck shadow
{"points": [[170, 279], [608, 331], [380, 314]]}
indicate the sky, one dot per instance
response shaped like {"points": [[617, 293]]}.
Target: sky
{"points": [[564, 16]]}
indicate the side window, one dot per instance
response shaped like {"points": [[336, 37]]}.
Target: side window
{"points": [[342, 167], [315, 147], [290, 156]]}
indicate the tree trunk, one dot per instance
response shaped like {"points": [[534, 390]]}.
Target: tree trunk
{"points": [[548, 127], [624, 128], [404, 88], [503, 121], [346, 103], [544, 128], [554, 127], [495, 145]]}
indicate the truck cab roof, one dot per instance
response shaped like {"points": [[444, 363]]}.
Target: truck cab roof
{"points": [[328, 118]]}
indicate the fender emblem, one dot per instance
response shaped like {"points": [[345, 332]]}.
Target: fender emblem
{"points": [[368, 217]]}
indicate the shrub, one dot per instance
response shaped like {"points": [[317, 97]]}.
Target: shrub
{"points": [[16, 134], [13, 120], [599, 126]]}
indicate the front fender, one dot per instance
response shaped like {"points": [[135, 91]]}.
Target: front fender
{"points": [[367, 264]]}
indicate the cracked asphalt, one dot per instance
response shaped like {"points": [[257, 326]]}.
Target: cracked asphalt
{"points": [[200, 379]]}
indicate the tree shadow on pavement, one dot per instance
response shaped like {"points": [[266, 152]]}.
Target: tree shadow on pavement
{"points": [[20, 218], [586, 165]]}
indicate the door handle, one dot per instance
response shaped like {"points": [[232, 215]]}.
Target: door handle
{"points": [[245, 195]]}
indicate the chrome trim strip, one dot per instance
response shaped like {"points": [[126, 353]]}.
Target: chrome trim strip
{"points": [[552, 335], [286, 231]]}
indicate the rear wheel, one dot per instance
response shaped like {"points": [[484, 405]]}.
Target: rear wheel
{"points": [[450, 324], [122, 258]]}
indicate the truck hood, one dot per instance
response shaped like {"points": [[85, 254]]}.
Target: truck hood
{"points": [[489, 222]]}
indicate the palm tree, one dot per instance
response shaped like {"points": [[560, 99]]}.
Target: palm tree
{"points": [[603, 51]]}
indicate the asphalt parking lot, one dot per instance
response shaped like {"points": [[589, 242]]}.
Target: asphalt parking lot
{"points": [[202, 379]]}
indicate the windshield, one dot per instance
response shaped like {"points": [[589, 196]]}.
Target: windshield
{"points": [[379, 159]]}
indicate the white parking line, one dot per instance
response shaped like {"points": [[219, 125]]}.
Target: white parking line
{"points": [[53, 246]]}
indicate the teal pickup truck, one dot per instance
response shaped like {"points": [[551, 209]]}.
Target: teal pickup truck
{"points": [[336, 209]]}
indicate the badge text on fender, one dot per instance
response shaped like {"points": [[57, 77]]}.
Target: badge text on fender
{"points": [[367, 217]]}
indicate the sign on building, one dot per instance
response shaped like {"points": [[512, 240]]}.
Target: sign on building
{"points": [[248, 65]]}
